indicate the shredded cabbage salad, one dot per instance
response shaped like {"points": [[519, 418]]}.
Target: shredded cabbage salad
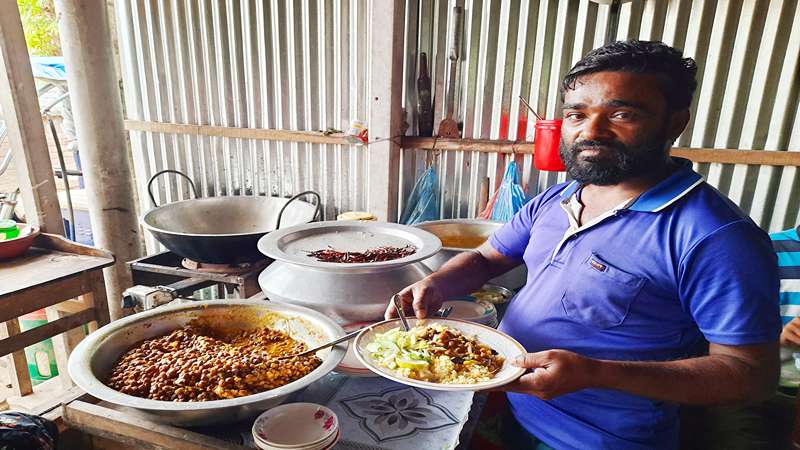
{"points": [[401, 349]]}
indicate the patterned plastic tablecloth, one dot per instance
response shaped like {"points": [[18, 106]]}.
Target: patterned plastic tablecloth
{"points": [[376, 413]]}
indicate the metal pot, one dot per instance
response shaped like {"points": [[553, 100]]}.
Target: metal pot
{"points": [[346, 297], [469, 229], [346, 292], [223, 230], [93, 359]]}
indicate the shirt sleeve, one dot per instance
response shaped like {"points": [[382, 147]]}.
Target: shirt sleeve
{"points": [[729, 283], [511, 239]]}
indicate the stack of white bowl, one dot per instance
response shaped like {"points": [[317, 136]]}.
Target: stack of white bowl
{"points": [[296, 426], [480, 311]]}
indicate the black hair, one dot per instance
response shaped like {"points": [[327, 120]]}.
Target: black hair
{"points": [[676, 73]]}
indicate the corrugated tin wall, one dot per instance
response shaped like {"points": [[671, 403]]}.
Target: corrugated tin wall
{"points": [[304, 65], [292, 65], [747, 52]]}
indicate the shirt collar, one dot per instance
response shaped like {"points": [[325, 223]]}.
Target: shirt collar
{"points": [[570, 189], [665, 193]]}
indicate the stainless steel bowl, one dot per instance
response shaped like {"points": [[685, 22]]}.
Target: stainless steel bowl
{"points": [[293, 244], [346, 292], [447, 229], [93, 359], [357, 295]]}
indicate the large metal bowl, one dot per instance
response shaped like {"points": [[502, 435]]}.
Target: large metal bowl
{"points": [[222, 230], [93, 359], [446, 230], [346, 292], [358, 295]]}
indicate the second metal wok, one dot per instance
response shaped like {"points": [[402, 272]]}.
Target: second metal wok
{"points": [[223, 230]]}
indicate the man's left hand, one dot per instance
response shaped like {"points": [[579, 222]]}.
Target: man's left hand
{"points": [[553, 373], [790, 335]]}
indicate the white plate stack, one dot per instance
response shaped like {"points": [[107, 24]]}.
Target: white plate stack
{"points": [[480, 311], [296, 426]]}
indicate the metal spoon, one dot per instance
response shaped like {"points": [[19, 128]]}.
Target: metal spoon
{"points": [[344, 338], [399, 308], [442, 312]]}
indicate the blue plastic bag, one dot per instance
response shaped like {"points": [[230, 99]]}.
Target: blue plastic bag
{"points": [[510, 196], [49, 67], [423, 203]]}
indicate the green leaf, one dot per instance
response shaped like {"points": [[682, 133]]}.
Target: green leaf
{"points": [[40, 26]]}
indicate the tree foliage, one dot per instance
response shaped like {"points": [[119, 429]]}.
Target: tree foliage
{"points": [[41, 27]]}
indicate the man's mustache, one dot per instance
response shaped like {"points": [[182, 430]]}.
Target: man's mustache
{"points": [[606, 145]]}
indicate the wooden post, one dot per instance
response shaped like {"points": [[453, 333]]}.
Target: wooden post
{"points": [[99, 300], [17, 363], [385, 120], [21, 112], [95, 97]]}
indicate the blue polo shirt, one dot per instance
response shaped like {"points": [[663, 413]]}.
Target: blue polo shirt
{"points": [[654, 281]]}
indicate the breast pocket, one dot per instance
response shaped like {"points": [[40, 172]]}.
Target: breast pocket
{"points": [[600, 295]]}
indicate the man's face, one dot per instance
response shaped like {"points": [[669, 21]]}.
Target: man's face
{"points": [[616, 126]]}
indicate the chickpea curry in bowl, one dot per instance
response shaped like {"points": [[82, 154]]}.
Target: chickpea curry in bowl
{"points": [[198, 363], [206, 362]]}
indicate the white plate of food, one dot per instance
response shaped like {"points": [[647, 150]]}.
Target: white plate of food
{"points": [[440, 354]]}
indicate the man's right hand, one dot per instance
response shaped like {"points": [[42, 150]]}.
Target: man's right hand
{"points": [[790, 336], [465, 273], [418, 299]]}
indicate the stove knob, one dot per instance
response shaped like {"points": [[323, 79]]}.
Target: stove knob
{"points": [[128, 301]]}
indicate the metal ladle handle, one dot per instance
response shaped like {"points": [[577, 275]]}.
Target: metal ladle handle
{"points": [[161, 172], [344, 338], [316, 212]]}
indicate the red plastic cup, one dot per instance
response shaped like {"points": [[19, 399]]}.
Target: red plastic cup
{"points": [[547, 141]]}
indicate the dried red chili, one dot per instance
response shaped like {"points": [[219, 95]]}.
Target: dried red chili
{"points": [[377, 254]]}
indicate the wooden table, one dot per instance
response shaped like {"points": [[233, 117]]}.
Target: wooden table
{"points": [[118, 429], [65, 278], [115, 427]]}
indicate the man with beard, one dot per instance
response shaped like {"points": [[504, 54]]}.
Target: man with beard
{"points": [[646, 288]]}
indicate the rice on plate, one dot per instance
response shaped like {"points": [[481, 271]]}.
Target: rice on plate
{"points": [[435, 353]]}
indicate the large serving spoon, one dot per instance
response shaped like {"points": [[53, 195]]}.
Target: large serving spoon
{"points": [[344, 338]]}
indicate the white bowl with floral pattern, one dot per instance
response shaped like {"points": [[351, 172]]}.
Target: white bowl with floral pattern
{"points": [[296, 426]]}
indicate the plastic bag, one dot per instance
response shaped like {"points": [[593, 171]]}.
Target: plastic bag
{"points": [[510, 196], [27, 432], [423, 203]]}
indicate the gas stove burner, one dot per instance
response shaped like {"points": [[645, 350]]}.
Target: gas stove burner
{"points": [[217, 268], [187, 276]]}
